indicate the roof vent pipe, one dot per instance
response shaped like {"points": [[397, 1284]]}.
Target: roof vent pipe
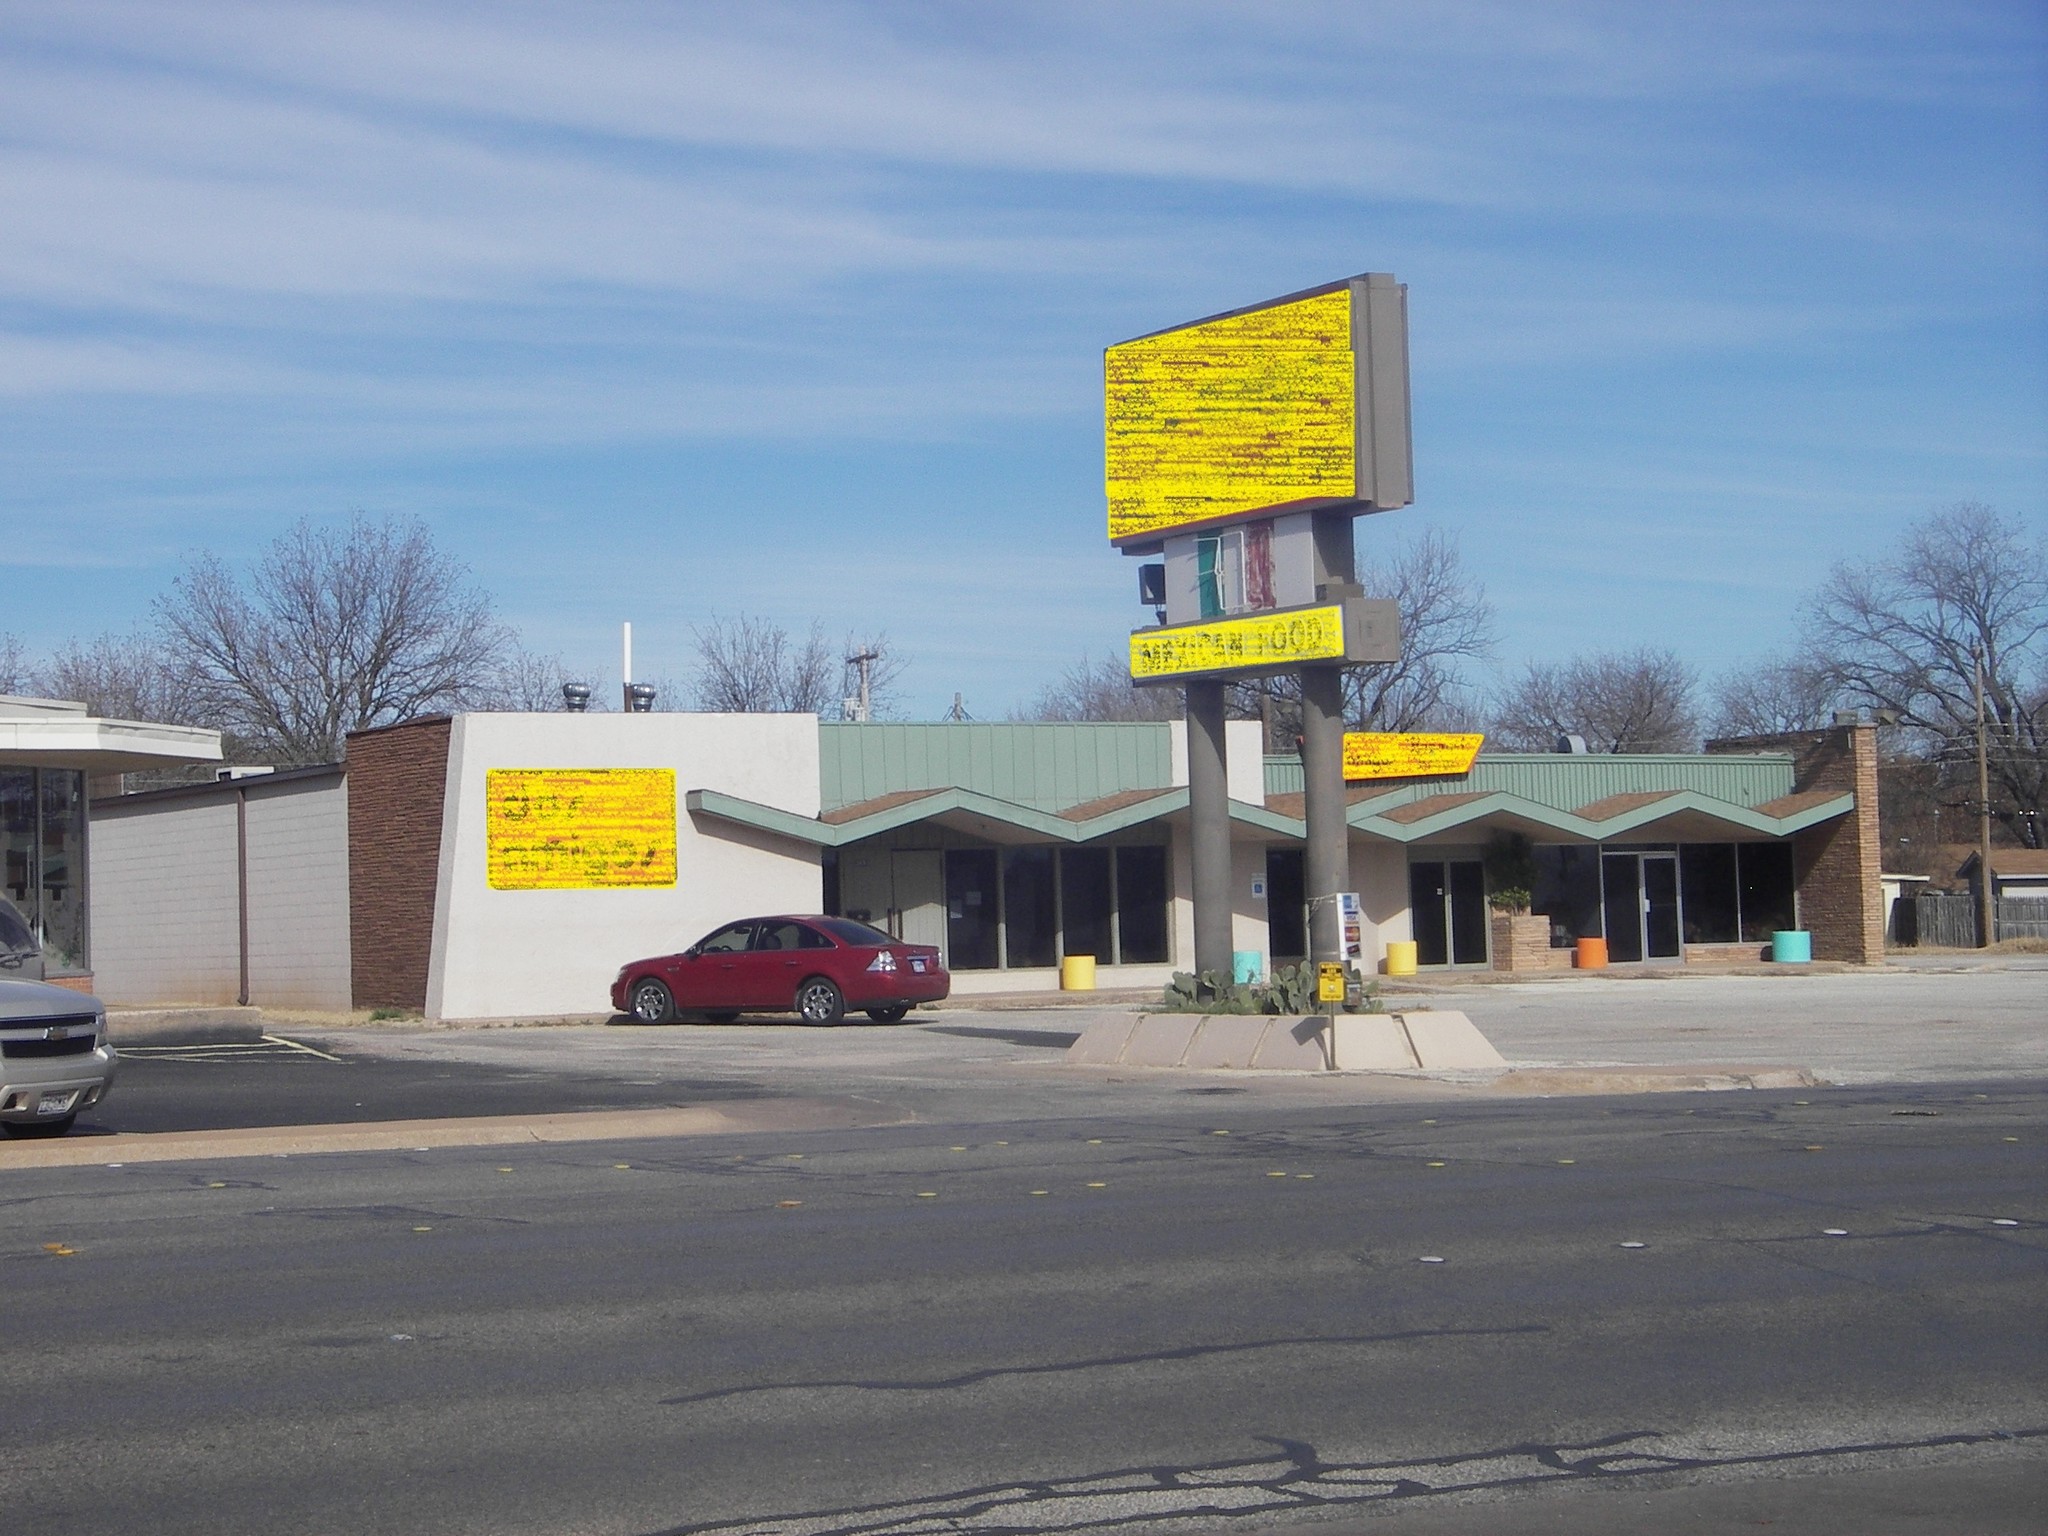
{"points": [[576, 697]]}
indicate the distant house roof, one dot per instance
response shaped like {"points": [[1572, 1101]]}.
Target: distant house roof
{"points": [[2027, 864]]}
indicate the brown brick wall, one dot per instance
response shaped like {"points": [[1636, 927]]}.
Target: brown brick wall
{"points": [[1837, 864], [397, 779]]}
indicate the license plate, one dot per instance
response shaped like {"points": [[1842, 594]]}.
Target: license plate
{"points": [[918, 966], [55, 1103]]}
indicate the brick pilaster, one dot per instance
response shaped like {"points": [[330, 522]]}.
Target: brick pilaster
{"points": [[1837, 864], [397, 780]]}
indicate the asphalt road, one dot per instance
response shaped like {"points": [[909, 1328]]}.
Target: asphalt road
{"points": [[1220, 1316]]}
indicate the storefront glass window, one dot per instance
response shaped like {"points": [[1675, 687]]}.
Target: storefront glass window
{"points": [[1085, 902], [1568, 892], [1767, 903], [1030, 918], [42, 860], [1141, 905], [1707, 883]]}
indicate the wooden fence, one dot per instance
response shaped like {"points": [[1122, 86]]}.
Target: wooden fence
{"points": [[1948, 919]]}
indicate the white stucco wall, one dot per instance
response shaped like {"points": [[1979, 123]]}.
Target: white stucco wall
{"points": [[1379, 873], [164, 896], [1244, 758], [501, 954]]}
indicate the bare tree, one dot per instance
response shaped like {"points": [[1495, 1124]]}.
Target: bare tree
{"points": [[1904, 632], [1619, 701], [333, 630], [1772, 697], [753, 665], [528, 681], [125, 677], [14, 676], [1101, 690]]}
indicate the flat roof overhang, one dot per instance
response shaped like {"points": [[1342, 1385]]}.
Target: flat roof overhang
{"points": [[91, 745], [1678, 816]]}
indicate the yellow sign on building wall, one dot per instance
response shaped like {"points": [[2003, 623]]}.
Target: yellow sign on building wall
{"points": [[1388, 755], [579, 828], [1232, 415], [1257, 640]]}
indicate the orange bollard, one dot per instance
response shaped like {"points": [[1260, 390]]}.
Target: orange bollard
{"points": [[1592, 955]]}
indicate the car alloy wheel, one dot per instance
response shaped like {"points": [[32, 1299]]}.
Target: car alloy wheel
{"points": [[651, 1002], [819, 1002]]}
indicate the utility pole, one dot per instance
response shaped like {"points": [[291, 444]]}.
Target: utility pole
{"points": [[1987, 898], [864, 711]]}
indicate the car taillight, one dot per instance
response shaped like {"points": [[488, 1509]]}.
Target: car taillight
{"points": [[885, 961]]}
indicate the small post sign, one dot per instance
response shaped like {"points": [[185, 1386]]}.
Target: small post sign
{"points": [[1330, 982], [1353, 924]]}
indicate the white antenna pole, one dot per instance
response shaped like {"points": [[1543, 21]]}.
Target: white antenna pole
{"points": [[626, 666]]}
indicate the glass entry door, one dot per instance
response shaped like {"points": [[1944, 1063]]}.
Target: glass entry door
{"points": [[1639, 897], [1447, 904]]}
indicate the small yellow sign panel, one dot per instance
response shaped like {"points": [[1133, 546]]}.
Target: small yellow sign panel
{"points": [[1330, 982], [1258, 640], [579, 829], [1387, 755], [1231, 416]]}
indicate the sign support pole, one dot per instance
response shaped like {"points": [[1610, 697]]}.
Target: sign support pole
{"points": [[1326, 864], [1209, 815]]}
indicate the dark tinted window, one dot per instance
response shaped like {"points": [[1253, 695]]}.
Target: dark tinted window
{"points": [[847, 931], [1141, 906], [1767, 904], [1707, 887], [1029, 914], [1084, 902], [728, 940], [790, 935]]}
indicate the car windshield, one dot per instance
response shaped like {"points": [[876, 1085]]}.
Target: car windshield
{"points": [[15, 937], [847, 931]]}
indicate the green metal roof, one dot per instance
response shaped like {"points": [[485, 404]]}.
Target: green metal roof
{"points": [[1566, 781], [942, 802], [1046, 766]]}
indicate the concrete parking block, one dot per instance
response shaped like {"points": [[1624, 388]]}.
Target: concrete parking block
{"points": [[1372, 1042], [1102, 1043], [1446, 1040], [1295, 1045], [1227, 1040], [1161, 1039]]}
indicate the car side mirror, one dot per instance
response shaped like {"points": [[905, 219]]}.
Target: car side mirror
{"points": [[691, 953]]}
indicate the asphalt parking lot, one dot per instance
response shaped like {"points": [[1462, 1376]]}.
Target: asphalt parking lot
{"points": [[1975, 1023]]}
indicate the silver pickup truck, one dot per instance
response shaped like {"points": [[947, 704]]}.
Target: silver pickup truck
{"points": [[54, 1055]]}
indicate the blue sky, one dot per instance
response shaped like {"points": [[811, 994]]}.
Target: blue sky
{"points": [[661, 312]]}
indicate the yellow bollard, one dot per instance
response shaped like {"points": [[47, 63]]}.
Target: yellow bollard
{"points": [[1077, 973], [1400, 957]]}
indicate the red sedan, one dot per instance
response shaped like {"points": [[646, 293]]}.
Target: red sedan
{"points": [[816, 967]]}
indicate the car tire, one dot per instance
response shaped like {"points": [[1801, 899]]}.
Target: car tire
{"points": [[650, 1002], [818, 1001], [721, 1015], [889, 1015], [31, 1128]]}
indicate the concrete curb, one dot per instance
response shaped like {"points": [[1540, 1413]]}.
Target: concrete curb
{"points": [[189, 1026], [1703, 1077], [730, 1119]]}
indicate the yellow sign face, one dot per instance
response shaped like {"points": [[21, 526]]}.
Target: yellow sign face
{"points": [[1222, 645], [579, 829], [1330, 982], [1231, 416], [1383, 755]]}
